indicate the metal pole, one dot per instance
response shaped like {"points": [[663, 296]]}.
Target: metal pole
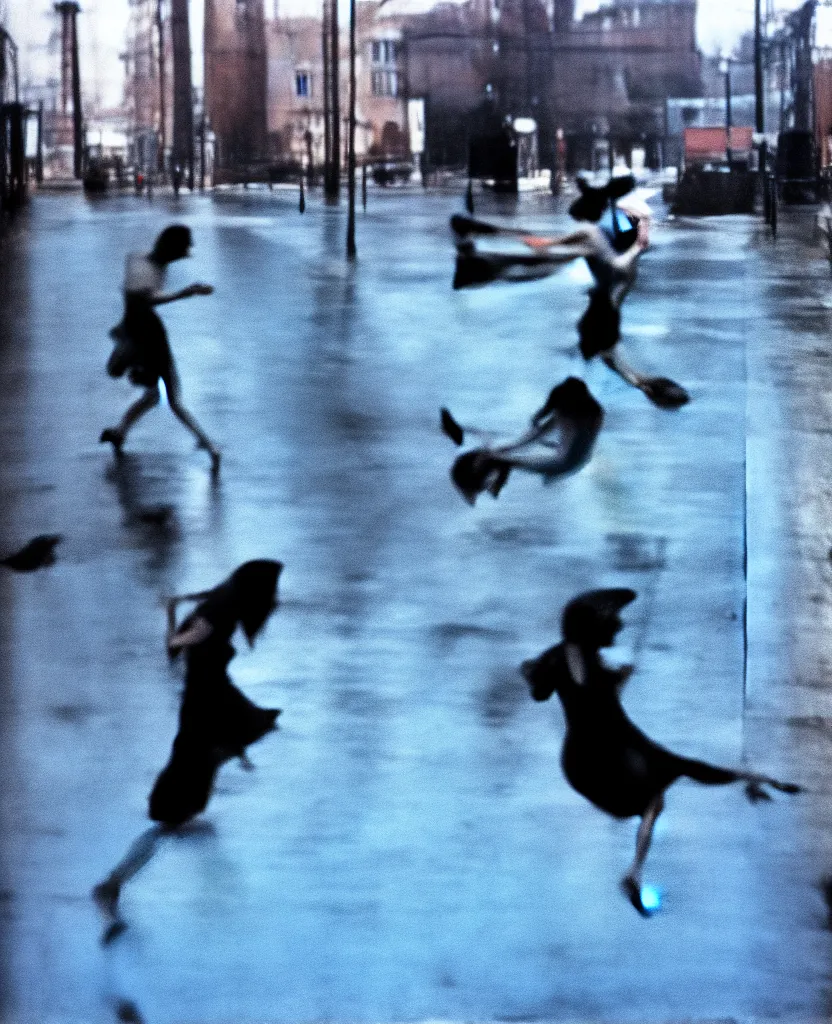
{"points": [[351, 250], [310, 157], [202, 131], [160, 157], [759, 102], [77, 116], [728, 110], [327, 97], [183, 115], [39, 157], [335, 109]]}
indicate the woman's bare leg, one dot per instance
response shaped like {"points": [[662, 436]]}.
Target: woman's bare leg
{"points": [[712, 775], [631, 882], [181, 413], [106, 894], [148, 401]]}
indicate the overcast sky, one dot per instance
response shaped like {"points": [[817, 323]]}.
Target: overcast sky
{"points": [[102, 24]]}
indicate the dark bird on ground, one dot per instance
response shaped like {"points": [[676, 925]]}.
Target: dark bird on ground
{"points": [[39, 552], [606, 757]]}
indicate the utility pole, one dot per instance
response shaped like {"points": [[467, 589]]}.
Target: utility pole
{"points": [[351, 250], [327, 97], [183, 114], [728, 118], [759, 103], [160, 29], [333, 181]]}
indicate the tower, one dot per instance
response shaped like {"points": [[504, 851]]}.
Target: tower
{"points": [[235, 80], [71, 82], [183, 116]]}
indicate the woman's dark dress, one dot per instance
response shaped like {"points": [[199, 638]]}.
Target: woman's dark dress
{"points": [[605, 757], [216, 721], [148, 341]]}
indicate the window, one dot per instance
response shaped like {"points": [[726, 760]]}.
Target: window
{"points": [[303, 84], [385, 83], [386, 51], [384, 76]]}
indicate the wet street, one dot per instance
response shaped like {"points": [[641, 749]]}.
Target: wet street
{"points": [[406, 848]]}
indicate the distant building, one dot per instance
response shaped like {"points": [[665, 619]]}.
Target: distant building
{"points": [[141, 85], [603, 82], [295, 87], [614, 72]]}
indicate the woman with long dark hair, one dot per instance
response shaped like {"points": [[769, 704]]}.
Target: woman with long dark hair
{"points": [[216, 721], [559, 441]]}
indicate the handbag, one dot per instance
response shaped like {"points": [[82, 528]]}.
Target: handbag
{"points": [[123, 354], [126, 358]]}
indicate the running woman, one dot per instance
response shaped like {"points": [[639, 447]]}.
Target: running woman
{"points": [[142, 349]]}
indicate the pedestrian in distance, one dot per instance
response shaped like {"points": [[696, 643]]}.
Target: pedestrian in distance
{"points": [[605, 757], [216, 721], [142, 350], [559, 441]]}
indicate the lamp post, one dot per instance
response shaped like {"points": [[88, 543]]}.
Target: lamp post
{"points": [[351, 250]]}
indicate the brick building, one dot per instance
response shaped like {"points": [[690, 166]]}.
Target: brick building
{"points": [[295, 87], [604, 80], [616, 68]]}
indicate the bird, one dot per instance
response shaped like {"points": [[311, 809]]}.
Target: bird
{"points": [[39, 552]]}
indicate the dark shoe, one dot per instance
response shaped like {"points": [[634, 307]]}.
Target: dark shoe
{"points": [[106, 896], [114, 438], [450, 427], [632, 891], [113, 931]]}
